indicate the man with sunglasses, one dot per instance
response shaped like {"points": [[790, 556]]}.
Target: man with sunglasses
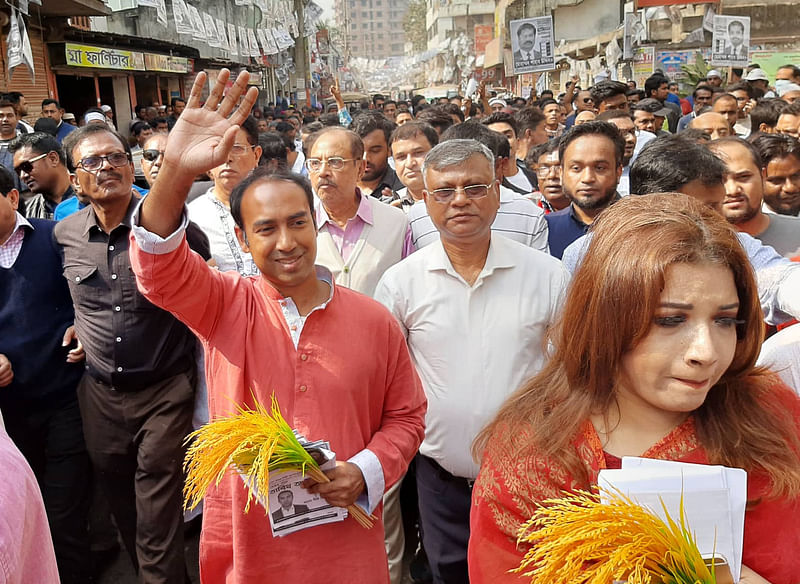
{"points": [[474, 306], [137, 394], [40, 163], [212, 210], [359, 237]]}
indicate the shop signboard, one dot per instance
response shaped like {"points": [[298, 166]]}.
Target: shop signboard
{"points": [[483, 35], [167, 63], [103, 58], [642, 64]]}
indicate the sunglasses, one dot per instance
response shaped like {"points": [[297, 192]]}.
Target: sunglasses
{"points": [[151, 154], [27, 166]]}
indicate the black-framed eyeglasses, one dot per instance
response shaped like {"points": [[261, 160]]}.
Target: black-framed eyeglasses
{"points": [[152, 154], [95, 163], [27, 166], [470, 191]]}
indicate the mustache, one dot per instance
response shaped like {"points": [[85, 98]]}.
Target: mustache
{"points": [[108, 174], [326, 183]]}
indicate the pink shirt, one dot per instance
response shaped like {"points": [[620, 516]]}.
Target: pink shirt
{"points": [[26, 548], [346, 239], [9, 250], [363, 395]]}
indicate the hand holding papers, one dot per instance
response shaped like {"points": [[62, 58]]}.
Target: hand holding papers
{"points": [[271, 458], [714, 499]]}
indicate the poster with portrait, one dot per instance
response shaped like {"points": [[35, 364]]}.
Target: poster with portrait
{"points": [[532, 44], [634, 33], [730, 45]]}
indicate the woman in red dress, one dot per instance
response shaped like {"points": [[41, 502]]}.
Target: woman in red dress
{"points": [[654, 356]]}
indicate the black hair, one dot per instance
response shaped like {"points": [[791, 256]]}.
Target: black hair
{"points": [[632, 92], [653, 82], [39, 143], [329, 120], [436, 117], [376, 97], [795, 69], [543, 103], [593, 128], [264, 175], [48, 101], [175, 100], [474, 130], [535, 153], [139, 109], [671, 162], [416, 99], [7, 182], [140, 127], [501, 118], [766, 111], [415, 128], [703, 87], [76, 137], [273, 147], [528, 118], [741, 86], [250, 127], [283, 127], [609, 115], [369, 121], [606, 90], [752, 150], [46, 125], [453, 110], [772, 146]]}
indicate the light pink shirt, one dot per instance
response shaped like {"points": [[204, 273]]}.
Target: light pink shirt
{"points": [[346, 239], [10, 249], [26, 548]]}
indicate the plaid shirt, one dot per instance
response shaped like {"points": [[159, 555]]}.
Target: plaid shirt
{"points": [[9, 250]]}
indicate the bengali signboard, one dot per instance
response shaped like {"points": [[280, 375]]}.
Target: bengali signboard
{"points": [[483, 36], [642, 64], [103, 58]]}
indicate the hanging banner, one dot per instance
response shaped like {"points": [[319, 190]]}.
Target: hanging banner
{"points": [[644, 3], [483, 36], [234, 46], [183, 22], [244, 45], [251, 41], [14, 43], [634, 33], [731, 41], [198, 29], [267, 42], [282, 38], [223, 36], [323, 42], [160, 6], [27, 53], [167, 63], [532, 44], [212, 36]]}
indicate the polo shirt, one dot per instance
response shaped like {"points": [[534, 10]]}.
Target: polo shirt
{"points": [[563, 227]]}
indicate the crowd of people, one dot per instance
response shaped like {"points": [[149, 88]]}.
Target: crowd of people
{"points": [[479, 302]]}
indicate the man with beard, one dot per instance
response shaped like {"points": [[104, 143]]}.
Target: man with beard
{"points": [[359, 237], [375, 130], [591, 163], [40, 163], [627, 130], [780, 159], [544, 161], [744, 195]]}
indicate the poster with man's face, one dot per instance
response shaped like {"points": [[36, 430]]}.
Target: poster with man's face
{"points": [[532, 44], [731, 41]]}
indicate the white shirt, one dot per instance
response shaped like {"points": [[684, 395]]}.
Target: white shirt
{"points": [[781, 353], [299, 163], [518, 218], [472, 345], [521, 181], [217, 223]]}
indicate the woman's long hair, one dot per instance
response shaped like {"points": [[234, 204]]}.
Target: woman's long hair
{"points": [[610, 308]]}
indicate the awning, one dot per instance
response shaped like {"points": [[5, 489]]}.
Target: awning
{"points": [[67, 8]]}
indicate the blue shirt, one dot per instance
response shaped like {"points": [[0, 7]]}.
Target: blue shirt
{"points": [[73, 205], [64, 130], [563, 227]]}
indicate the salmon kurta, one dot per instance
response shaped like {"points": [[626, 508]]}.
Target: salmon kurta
{"points": [[349, 381]]}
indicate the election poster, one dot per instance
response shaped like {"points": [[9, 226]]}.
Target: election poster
{"points": [[730, 45], [532, 44]]}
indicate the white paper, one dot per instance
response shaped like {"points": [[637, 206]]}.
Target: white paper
{"points": [[714, 499]]}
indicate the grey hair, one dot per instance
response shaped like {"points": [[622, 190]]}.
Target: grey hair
{"points": [[452, 153]]}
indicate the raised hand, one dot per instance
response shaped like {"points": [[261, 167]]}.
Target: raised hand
{"points": [[203, 135]]}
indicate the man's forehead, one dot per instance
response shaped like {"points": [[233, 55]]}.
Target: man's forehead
{"points": [[99, 141], [332, 143], [156, 141], [549, 157], [473, 167], [412, 143], [791, 160]]}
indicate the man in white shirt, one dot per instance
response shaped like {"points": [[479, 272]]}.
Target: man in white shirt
{"points": [[409, 146], [212, 211], [475, 308], [516, 175], [518, 218], [359, 237]]}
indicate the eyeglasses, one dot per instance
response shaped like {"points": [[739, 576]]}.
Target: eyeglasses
{"points": [[544, 171], [27, 166], [470, 191], [239, 150], [334, 163], [151, 154], [95, 163]]}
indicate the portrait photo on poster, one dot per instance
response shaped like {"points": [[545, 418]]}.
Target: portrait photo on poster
{"points": [[731, 41], [532, 44]]}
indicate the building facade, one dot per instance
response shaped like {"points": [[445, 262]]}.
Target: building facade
{"points": [[373, 29]]}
